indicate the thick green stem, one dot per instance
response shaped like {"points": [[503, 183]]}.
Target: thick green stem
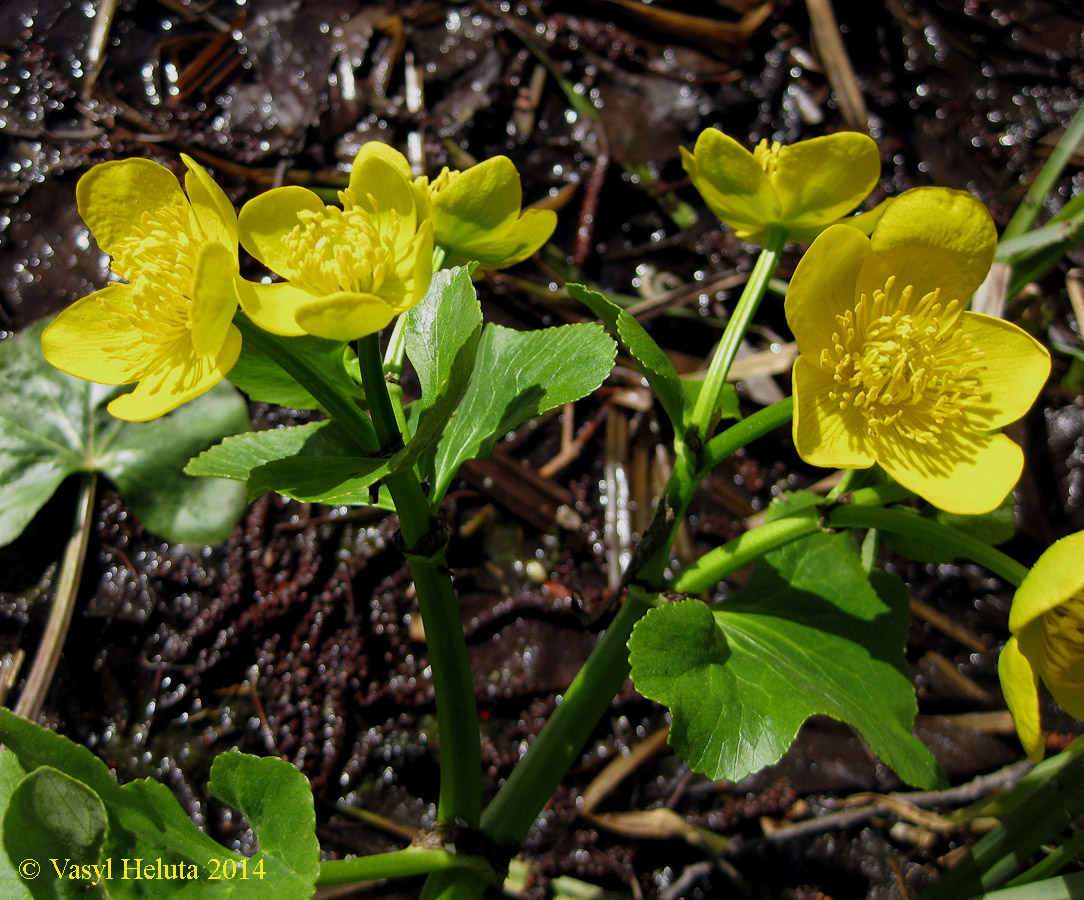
{"points": [[453, 685], [338, 404], [510, 816], [401, 864], [707, 403]]}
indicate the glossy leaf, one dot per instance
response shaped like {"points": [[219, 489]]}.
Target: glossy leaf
{"points": [[517, 375], [12, 887], [53, 426], [146, 822], [808, 635], [58, 822], [653, 364], [263, 379]]}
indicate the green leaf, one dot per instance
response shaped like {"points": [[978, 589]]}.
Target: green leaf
{"points": [[517, 375], [53, 426], [441, 336], [59, 823], [12, 887], [146, 822], [263, 379], [276, 799], [237, 456], [652, 362], [809, 634], [319, 479], [315, 463]]}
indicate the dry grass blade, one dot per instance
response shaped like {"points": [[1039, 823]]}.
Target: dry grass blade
{"points": [[60, 616], [837, 64], [700, 30]]}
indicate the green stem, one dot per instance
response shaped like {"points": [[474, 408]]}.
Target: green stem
{"points": [[900, 521], [401, 864], [336, 402], [519, 801], [724, 445], [453, 685], [60, 616], [863, 510], [707, 403]]}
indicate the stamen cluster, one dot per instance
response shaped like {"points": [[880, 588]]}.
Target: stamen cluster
{"points": [[906, 366]]}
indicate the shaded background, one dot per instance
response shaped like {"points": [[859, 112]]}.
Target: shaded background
{"points": [[300, 636]]}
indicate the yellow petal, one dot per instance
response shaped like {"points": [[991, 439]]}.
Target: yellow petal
{"points": [[826, 177], [268, 218], [1056, 576], [273, 307], [932, 238], [1016, 368], [378, 150], [414, 281], [382, 190], [212, 208], [825, 435], [113, 196], [345, 316], [730, 180], [521, 240], [964, 473], [823, 287], [77, 341], [214, 298], [477, 204], [173, 385], [1020, 685]]}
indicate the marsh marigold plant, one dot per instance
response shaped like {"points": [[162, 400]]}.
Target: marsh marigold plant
{"points": [[349, 271], [799, 188], [1047, 625], [168, 329], [892, 369], [476, 213]]}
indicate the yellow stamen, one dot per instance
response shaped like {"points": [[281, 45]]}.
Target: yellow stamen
{"points": [[906, 365], [767, 156], [1063, 642], [159, 258]]}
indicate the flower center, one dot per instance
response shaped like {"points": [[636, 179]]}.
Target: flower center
{"points": [[908, 366], [334, 249], [1063, 642], [159, 260], [767, 156]]}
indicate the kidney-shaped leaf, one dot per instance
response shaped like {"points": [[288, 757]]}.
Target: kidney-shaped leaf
{"points": [[53, 426], [145, 822], [809, 634]]}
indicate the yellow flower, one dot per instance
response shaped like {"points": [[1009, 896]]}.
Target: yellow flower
{"points": [[348, 271], [1047, 625], [169, 328], [801, 187], [892, 370], [475, 213]]}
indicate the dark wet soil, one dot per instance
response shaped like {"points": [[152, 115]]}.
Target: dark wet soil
{"points": [[300, 636]]}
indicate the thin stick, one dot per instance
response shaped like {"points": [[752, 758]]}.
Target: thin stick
{"points": [[60, 617]]}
